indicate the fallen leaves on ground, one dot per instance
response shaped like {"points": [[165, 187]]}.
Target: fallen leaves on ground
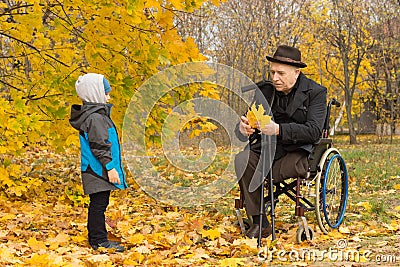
{"points": [[50, 230]]}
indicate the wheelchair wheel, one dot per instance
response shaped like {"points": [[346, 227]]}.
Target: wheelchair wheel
{"points": [[331, 190], [301, 234], [247, 223]]}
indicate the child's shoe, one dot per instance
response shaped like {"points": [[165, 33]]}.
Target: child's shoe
{"points": [[110, 245]]}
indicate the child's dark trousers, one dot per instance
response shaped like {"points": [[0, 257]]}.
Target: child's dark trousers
{"points": [[96, 218]]}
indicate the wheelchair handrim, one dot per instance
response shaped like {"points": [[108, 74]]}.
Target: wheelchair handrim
{"points": [[343, 194]]}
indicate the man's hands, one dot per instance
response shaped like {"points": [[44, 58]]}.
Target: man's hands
{"points": [[245, 127], [269, 129], [113, 176]]}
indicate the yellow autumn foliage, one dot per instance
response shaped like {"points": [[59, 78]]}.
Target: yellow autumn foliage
{"points": [[47, 46]]}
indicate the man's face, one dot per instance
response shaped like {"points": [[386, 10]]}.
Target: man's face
{"points": [[283, 76]]}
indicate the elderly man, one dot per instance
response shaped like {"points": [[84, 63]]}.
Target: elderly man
{"points": [[298, 105]]}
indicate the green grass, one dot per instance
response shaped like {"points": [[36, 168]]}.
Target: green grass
{"points": [[373, 167]]}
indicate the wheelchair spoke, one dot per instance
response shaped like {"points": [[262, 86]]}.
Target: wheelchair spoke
{"points": [[332, 190]]}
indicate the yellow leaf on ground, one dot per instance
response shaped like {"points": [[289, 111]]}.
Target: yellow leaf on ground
{"points": [[336, 234], [60, 240], [7, 217], [251, 243], [3, 173], [134, 259], [143, 250], [212, 233], [372, 232], [397, 208], [35, 244], [380, 244], [5, 253], [355, 239], [3, 233], [78, 239], [363, 258], [38, 260], [394, 226], [99, 258], [136, 239], [344, 230], [201, 253], [232, 262], [366, 205], [396, 186]]}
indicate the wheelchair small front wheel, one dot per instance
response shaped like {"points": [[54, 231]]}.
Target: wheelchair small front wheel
{"points": [[247, 223], [301, 234]]}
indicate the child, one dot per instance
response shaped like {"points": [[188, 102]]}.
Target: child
{"points": [[101, 161]]}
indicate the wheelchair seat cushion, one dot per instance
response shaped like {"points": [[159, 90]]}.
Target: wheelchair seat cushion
{"points": [[292, 165]]}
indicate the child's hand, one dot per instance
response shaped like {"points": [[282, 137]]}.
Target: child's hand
{"points": [[113, 176]]}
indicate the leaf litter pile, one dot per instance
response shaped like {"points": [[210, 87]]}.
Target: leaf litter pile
{"points": [[46, 226]]}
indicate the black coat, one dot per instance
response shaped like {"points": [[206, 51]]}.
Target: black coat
{"points": [[301, 124]]}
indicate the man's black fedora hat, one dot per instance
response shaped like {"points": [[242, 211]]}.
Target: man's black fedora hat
{"points": [[287, 55]]}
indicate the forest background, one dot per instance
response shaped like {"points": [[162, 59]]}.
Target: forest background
{"points": [[351, 47]]}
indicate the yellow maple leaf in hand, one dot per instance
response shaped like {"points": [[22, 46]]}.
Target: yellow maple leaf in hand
{"points": [[257, 117]]}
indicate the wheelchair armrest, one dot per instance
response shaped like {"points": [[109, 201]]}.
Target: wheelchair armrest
{"points": [[319, 148], [323, 141]]}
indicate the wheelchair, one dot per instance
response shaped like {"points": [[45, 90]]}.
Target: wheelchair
{"points": [[326, 187]]}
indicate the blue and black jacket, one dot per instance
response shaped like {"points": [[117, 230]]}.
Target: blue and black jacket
{"points": [[100, 147]]}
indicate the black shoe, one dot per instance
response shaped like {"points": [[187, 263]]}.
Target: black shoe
{"points": [[110, 245], [254, 231], [112, 242]]}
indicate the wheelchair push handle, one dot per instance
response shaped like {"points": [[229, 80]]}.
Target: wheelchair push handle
{"points": [[333, 101]]}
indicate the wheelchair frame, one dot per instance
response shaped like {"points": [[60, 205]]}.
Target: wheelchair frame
{"points": [[328, 174]]}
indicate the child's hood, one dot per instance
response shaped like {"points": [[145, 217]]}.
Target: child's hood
{"points": [[90, 88], [79, 113]]}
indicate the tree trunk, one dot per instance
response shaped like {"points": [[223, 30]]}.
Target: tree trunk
{"points": [[338, 119], [352, 132]]}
